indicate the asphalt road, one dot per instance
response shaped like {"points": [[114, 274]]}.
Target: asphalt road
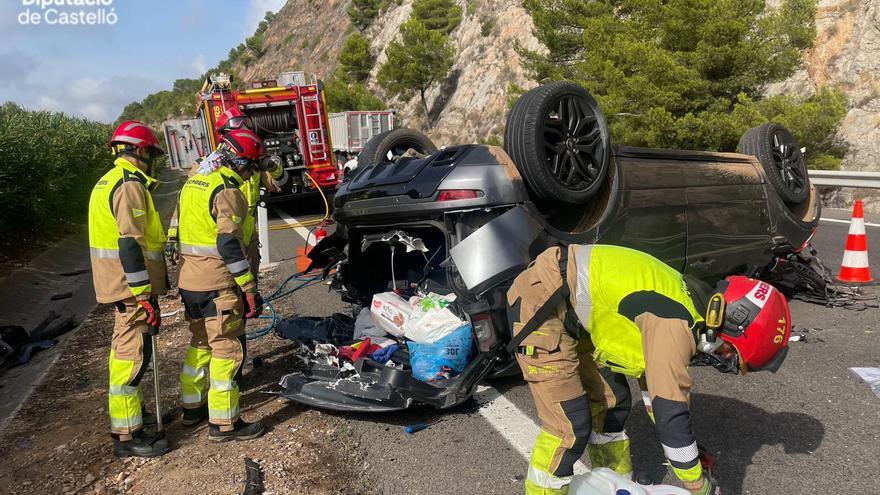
{"points": [[811, 428]]}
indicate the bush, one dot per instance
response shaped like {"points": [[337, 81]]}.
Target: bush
{"points": [[345, 95], [487, 26], [437, 15], [363, 12], [50, 164]]}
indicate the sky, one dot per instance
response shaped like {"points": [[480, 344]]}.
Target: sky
{"points": [[94, 70]]}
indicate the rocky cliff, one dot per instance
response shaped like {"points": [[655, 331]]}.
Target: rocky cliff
{"points": [[471, 104], [846, 55]]}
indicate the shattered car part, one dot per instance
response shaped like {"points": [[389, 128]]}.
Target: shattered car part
{"points": [[497, 251], [411, 243]]}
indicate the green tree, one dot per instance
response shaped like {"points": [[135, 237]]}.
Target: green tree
{"points": [[416, 60], [437, 15], [355, 58], [255, 42], [362, 12], [686, 73], [344, 95]]}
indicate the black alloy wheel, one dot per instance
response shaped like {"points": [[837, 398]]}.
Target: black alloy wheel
{"points": [[780, 156], [558, 138], [572, 142], [788, 160]]}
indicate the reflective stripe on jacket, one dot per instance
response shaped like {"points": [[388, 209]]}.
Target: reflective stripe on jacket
{"points": [[251, 190], [126, 237], [213, 212]]}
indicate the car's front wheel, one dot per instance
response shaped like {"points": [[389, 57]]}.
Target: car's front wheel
{"points": [[780, 155], [557, 136]]}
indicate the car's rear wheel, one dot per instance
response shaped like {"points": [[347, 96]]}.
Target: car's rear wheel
{"points": [[780, 155], [384, 146], [557, 136]]}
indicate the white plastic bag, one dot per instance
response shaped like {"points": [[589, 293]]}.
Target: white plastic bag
{"points": [[390, 312], [430, 320]]}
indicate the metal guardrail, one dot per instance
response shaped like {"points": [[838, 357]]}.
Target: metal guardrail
{"points": [[845, 178]]}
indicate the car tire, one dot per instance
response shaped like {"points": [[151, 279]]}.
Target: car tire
{"points": [[780, 156], [557, 136], [396, 142]]}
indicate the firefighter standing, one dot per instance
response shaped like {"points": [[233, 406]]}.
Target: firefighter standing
{"points": [[125, 241], [231, 120], [589, 319], [218, 288]]}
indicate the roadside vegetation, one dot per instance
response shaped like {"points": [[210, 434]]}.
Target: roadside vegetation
{"points": [[688, 75], [45, 183]]}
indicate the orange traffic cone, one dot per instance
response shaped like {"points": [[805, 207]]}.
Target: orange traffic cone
{"points": [[302, 260], [854, 267]]}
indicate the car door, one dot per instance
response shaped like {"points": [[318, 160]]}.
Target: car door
{"points": [[650, 214], [728, 222]]}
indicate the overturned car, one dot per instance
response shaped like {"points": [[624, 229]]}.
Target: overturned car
{"points": [[483, 212]]}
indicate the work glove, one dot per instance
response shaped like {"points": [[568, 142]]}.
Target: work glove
{"points": [[253, 304], [154, 316]]}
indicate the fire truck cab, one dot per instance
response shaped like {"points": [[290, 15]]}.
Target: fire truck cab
{"points": [[290, 115]]}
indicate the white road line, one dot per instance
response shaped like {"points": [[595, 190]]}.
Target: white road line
{"points": [[847, 221], [512, 424], [518, 429], [302, 231]]}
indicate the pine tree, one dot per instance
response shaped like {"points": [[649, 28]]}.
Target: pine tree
{"points": [[687, 73], [355, 58], [418, 59], [362, 12], [437, 15]]}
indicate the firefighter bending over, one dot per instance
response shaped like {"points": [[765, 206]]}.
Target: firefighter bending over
{"points": [[591, 315]]}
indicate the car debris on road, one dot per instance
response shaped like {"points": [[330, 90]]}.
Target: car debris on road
{"points": [[871, 376]]}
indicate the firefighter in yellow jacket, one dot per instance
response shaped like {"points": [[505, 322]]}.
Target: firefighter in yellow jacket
{"points": [[218, 288], [231, 120], [126, 240], [587, 317]]}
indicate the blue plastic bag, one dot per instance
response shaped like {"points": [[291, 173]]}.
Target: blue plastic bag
{"points": [[447, 357]]}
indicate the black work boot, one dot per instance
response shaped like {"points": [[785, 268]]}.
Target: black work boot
{"points": [[192, 417], [140, 445], [241, 431]]}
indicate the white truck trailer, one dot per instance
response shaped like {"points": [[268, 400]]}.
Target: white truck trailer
{"points": [[350, 131]]}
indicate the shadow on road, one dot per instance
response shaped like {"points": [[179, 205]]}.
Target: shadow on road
{"points": [[733, 430]]}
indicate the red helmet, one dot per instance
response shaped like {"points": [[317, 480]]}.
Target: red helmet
{"points": [[753, 317], [233, 119], [245, 144], [135, 133]]}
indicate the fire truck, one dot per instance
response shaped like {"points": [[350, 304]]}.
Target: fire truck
{"points": [[290, 114]]}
